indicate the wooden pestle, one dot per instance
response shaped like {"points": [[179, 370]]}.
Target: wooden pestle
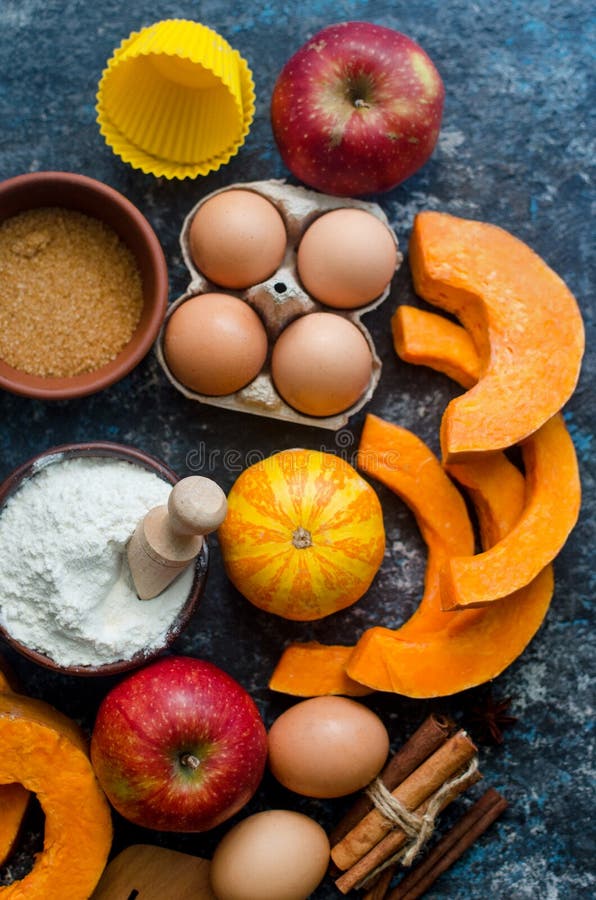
{"points": [[170, 537]]}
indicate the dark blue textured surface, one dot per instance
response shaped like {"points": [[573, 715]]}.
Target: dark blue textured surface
{"points": [[516, 149]]}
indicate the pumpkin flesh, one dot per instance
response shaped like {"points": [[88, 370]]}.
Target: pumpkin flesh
{"points": [[44, 751], [426, 339], [550, 511], [14, 800], [551, 507], [314, 670], [524, 321]]}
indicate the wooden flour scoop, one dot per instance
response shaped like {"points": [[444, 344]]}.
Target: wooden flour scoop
{"points": [[169, 538], [142, 872]]}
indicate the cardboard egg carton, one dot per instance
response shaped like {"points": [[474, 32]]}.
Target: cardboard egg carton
{"points": [[278, 301]]}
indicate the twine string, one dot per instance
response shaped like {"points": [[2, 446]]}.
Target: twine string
{"points": [[418, 828]]}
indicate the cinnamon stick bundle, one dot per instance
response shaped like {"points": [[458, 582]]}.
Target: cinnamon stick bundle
{"points": [[443, 764], [394, 841], [433, 732], [449, 849]]}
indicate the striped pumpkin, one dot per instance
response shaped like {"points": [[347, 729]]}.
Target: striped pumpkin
{"points": [[303, 536]]}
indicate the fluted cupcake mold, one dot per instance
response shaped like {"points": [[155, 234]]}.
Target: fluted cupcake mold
{"points": [[175, 100]]}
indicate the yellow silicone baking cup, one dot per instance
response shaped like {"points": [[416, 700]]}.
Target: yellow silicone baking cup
{"points": [[175, 100]]}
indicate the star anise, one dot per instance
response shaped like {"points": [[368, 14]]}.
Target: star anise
{"points": [[492, 717]]}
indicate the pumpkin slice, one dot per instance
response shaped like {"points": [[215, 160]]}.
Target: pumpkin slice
{"points": [[551, 510], [44, 750], [524, 321], [401, 461], [14, 800], [314, 670], [426, 339], [431, 340], [440, 653], [552, 501]]}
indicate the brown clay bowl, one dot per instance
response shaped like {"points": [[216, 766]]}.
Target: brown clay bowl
{"points": [[138, 457], [86, 195]]}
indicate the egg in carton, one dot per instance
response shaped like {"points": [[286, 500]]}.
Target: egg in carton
{"points": [[279, 300]]}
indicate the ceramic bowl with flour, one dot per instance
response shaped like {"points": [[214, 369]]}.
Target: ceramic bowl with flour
{"points": [[67, 600]]}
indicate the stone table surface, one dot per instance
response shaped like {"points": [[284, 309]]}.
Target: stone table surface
{"points": [[516, 149]]}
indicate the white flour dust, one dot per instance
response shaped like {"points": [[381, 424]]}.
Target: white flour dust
{"points": [[65, 587]]}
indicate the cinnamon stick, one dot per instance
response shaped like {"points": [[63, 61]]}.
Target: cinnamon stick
{"points": [[379, 889], [449, 849], [444, 763], [433, 732], [395, 839]]}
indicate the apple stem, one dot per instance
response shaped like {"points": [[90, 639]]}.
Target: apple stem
{"points": [[361, 104], [190, 761]]}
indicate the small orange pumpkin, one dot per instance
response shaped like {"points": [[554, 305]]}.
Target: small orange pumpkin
{"points": [[303, 536]]}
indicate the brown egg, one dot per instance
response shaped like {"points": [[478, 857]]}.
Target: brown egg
{"points": [[237, 238], [347, 258], [327, 747], [321, 364], [215, 344], [271, 855]]}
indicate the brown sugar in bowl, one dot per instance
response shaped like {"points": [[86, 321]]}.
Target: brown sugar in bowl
{"points": [[133, 455], [92, 198]]}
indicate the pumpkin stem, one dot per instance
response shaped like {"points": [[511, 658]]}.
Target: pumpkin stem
{"points": [[302, 538], [190, 761]]}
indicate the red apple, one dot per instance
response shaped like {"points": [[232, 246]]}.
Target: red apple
{"points": [[357, 109], [178, 746]]}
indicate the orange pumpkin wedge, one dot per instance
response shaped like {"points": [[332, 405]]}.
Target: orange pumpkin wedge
{"points": [[426, 339], [401, 461], [439, 653], [303, 536], [524, 321], [315, 670], [551, 509], [44, 750], [14, 800]]}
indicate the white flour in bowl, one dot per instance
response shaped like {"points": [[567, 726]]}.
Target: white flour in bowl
{"points": [[65, 586]]}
